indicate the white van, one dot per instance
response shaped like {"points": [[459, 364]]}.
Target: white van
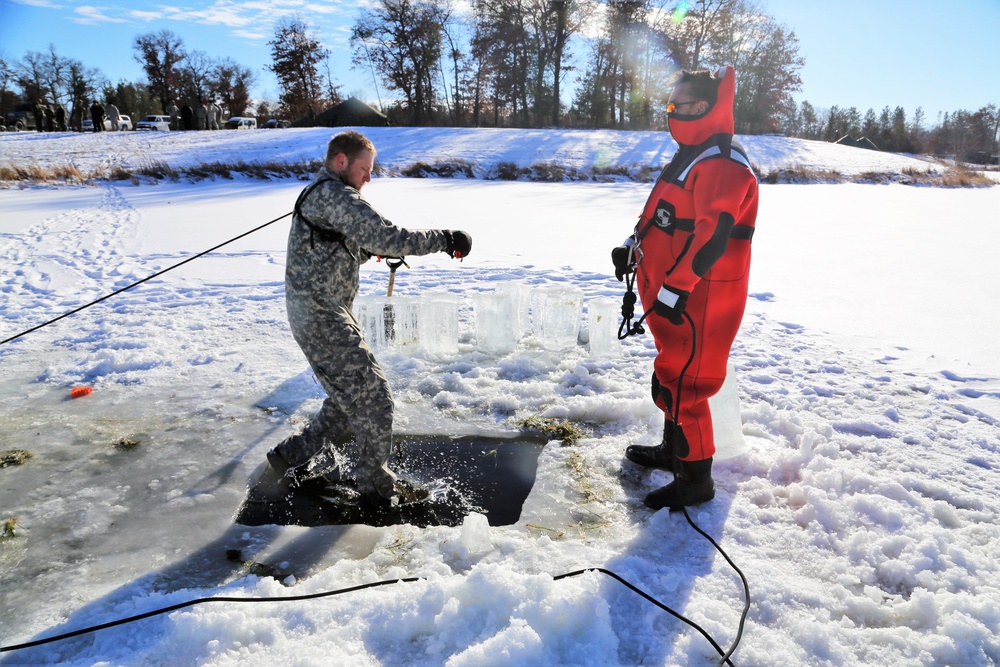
{"points": [[241, 123]]}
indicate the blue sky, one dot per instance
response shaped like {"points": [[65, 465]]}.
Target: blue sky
{"points": [[941, 56]]}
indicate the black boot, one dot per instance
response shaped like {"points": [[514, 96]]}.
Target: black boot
{"points": [[655, 456], [277, 462], [692, 485], [282, 467]]}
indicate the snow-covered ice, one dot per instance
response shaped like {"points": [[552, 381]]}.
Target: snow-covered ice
{"points": [[864, 513]]}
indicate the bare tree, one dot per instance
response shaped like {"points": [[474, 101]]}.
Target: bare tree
{"points": [[403, 40], [765, 54], [629, 68], [160, 54], [7, 97], [196, 77], [693, 28], [232, 82], [333, 95], [45, 75]]}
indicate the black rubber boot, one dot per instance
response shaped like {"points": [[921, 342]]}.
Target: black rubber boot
{"points": [[692, 485], [655, 456], [278, 462], [282, 468]]}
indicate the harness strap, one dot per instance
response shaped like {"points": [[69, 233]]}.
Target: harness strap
{"points": [[735, 153], [326, 235]]}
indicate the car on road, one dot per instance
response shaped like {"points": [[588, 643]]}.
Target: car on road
{"points": [[124, 123], [277, 123], [155, 123]]}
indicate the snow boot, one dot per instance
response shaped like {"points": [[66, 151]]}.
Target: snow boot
{"points": [[278, 463], [656, 456], [692, 485]]}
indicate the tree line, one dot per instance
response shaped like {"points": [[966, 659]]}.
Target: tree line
{"points": [[173, 74], [506, 63], [969, 135]]}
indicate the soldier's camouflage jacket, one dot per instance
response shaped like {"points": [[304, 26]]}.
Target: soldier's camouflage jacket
{"points": [[322, 269]]}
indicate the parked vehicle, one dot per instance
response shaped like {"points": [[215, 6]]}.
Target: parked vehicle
{"points": [[276, 123], [21, 119], [241, 123], [124, 123], [154, 123]]}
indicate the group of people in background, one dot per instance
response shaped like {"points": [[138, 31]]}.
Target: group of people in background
{"points": [[49, 117], [206, 116], [53, 117]]}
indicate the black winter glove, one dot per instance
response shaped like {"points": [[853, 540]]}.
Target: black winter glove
{"points": [[459, 243], [670, 304], [622, 259]]}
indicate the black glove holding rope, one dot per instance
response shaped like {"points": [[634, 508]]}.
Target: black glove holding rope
{"points": [[459, 243]]}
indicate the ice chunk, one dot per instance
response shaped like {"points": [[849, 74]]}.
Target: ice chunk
{"points": [[439, 323], [520, 293], [726, 420], [476, 533], [602, 322], [388, 321], [405, 311], [556, 313], [370, 310], [496, 323]]}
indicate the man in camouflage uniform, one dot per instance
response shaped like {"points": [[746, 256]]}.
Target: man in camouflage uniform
{"points": [[334, 231]]}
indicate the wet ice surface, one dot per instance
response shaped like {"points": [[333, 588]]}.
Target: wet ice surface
{"points": [[864, 513]]}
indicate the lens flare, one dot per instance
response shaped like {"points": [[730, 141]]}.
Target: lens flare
{"points": [[680, 12]]}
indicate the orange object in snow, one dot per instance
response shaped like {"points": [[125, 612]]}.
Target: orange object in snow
{"points": [[77, 392]]}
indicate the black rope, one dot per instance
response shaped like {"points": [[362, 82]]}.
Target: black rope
{"points": [[746, 585], [314, 596], [626, 328], [677, 425], [680, 379], [650, 598], [191, 603], [147, 278]]}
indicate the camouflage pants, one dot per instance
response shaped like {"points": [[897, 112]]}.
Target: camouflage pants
{"points": [[358, 401]]}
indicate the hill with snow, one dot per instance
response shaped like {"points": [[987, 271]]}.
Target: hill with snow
{"points": [[400, 148]]}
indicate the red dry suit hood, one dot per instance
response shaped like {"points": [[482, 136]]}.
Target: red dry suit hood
{"points": [[692, 130]]}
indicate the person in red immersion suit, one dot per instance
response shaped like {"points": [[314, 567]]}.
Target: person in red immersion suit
{"points": [[691, 257]]}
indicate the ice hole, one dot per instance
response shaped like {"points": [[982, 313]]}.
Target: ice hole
{"points": [[465, 474]]}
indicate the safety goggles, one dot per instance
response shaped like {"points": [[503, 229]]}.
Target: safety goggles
{"points": [[673, 106]]}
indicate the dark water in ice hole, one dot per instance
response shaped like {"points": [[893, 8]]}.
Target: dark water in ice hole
{"points": [[465, 474]]}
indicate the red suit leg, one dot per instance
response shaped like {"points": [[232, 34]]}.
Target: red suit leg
{"points": [[716, 309]]}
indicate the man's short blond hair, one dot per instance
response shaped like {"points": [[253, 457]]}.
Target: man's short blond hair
{"points": [[350, 144]]}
